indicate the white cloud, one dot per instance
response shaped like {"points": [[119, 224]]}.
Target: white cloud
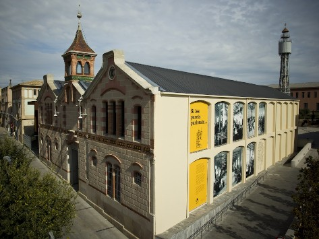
{"points": [[229, 39]]}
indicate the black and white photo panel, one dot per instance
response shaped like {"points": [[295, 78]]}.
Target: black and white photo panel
{"points": [[238, 121], [220, 184], [221, 123], [250, 159], [251, 119], [261, 118], [237, 165]]}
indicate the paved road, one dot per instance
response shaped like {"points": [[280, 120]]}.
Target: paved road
{"points": [[88, 223]]}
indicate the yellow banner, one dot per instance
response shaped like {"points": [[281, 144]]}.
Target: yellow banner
{"points": [[198, 126], [197, 183]]}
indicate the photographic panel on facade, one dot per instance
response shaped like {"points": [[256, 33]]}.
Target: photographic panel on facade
{"points": [[251, 119], [220, 166], [250, 159], [237, 165], [198, 183], [238, 121], [198, 126], [261, 118], [221, 123]]}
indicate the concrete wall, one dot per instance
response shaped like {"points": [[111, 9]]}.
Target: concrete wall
{"points": [[301, 155]]}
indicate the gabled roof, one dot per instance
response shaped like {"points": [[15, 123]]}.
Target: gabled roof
{"points": [[32, 83], [79, 44], [188, 83]]}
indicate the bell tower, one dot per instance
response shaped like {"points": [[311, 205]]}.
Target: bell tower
{"points": [[79, 57], [284, 50]]}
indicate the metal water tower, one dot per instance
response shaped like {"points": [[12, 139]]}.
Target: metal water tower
{"points": [[284, 50]]}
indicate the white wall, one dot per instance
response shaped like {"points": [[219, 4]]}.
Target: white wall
{"points": [[172, 157], [171, 138]]}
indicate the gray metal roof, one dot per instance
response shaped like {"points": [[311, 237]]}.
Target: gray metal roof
{"points": [[84, 84], [190, 83], [59, 86]]}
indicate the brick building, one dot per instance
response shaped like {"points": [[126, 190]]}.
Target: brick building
{"points": [[307, 93], [148, 145]]}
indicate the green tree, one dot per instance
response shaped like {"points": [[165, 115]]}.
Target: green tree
{"points": [[31, 205], [307, 201]]}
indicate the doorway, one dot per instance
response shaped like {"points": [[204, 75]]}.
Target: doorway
{"points": [[74, 170]]}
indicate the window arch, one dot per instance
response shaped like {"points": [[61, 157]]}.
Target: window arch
{"points": [[93, 119], [250, 159], [86, 68], [220, 166], [79, 68], [221, 123], [238, 121]]}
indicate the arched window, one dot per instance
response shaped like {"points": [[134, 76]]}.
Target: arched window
{"points": [[113, 178], [221, 123], [86, 68], [138, 123], [122, 117], [137, 178], [69, 68], [79, 68], [94, 161], [114, 118], [93, 119], [106, 117]]}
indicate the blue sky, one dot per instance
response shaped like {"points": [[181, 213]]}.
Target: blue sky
{"points": [[230, 39]]}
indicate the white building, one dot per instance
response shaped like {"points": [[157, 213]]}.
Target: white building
{"points": [[148, 146]]}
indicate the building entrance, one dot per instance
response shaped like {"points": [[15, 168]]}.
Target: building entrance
{"points": [[74, 170]]}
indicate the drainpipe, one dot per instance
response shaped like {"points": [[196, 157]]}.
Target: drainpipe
{"points": [[152, 192]]}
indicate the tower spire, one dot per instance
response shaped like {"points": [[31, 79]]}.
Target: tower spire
{"points": [[284, 50], [79, 57], [79, 16]]}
